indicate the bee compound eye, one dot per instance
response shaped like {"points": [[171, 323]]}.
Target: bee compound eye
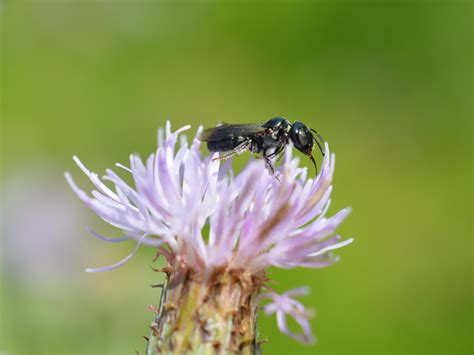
{"points": [[303, 137]]}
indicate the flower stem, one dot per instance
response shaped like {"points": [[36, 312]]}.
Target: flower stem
{"points": [[215, 315]]}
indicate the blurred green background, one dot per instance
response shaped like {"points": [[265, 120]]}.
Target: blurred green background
{"points": [[388, 84]]}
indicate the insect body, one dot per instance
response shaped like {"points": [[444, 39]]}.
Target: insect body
{"points": [[269, 139]]}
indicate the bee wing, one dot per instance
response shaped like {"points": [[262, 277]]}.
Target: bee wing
{"points": [[230, 131]]}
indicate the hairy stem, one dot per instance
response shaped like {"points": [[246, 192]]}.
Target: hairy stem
{"points": [[217, 315]]}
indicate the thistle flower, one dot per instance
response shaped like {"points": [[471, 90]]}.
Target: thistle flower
{"points": [[255, 221]]}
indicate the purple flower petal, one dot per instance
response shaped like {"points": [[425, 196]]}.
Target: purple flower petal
{"points": [[283, 305], [121, 262]]}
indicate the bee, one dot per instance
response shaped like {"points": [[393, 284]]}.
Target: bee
{"points": [[268, 139]]}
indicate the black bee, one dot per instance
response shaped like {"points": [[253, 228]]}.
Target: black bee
{"points": [[269, 139]]}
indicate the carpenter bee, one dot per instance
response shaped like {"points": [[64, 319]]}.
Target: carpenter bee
{"points": [[269, 139]]}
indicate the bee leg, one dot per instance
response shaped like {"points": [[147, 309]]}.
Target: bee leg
{"points": [[242, 147], [225, 156], [268, 162], [269, 165], [278, 153]]}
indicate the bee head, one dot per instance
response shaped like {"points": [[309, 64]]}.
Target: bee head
{"points": [[303, 140]]}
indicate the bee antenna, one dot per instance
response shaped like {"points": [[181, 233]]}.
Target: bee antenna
{"points": [[319, 142], [314, 162]]}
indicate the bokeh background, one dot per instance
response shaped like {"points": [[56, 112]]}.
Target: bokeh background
{"points": [[388, 84]]}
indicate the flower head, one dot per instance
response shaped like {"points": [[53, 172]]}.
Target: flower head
{"points": [[255, 220]]}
